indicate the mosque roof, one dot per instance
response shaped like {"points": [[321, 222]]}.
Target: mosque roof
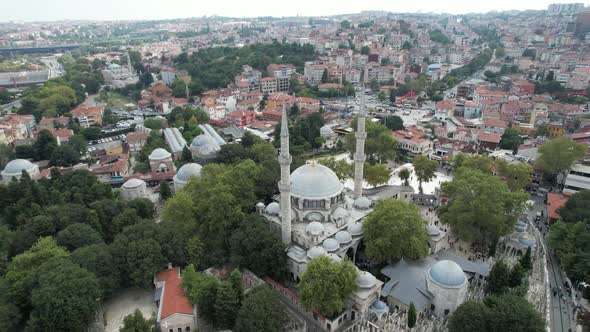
{"points": [[447, 273], [17, 166], [188, 170], [315, 181], [159, 154]]}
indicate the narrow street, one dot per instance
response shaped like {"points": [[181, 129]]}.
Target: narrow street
{"points": [[562, 303]]}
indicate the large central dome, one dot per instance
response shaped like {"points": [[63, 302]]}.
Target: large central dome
{"points": [[315, 181]]}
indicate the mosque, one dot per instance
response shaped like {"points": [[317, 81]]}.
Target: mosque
{"points": [[316, 215]]}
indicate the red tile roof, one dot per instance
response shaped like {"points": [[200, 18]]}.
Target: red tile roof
{"points": [[173, 299], [494, 123], [554, 202]]}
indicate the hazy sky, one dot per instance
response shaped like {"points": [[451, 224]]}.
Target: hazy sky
{"points": [[50, 10]]}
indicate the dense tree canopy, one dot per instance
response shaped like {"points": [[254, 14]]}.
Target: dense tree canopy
{"points": [[261, 311], [394, 230], [65, 298], [577, 208], [480, 207], [559, 154], [326, 284], [497, 313], [135, 322], [380, 146]]}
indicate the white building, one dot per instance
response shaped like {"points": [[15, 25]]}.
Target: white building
{"points": [[185, 173], [14, 170], [134, 188], [577, 179]]}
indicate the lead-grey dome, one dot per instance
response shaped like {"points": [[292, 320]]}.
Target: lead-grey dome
{"points": [[335, 257], [133, 183], [366, 280], [355, 229], [447, 274], [273, 208], [205, 145], [315, 181], [362, 203], [331, 245], [188, 170], [159, 154], [17, 166], [314, 228], [316, 252], [343, 237]]}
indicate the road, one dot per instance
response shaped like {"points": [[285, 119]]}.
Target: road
{"points": [[561, 310]]}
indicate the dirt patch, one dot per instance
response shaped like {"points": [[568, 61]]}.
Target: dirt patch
{"points": [[116, 308]]}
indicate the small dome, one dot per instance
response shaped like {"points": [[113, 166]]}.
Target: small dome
{"points": [[326, 131], [362, 203], [273, 208], [355, 229], [366, 280], [188, 170], [447, 274], [432, 230], [335, 257], [343, 237], [316, 251], [133, 183], [17, 166], [205, 145], [314, 228], [331, 245], [379, 305], [159, 154], [315, 181], [259, 205], [339, 213]]}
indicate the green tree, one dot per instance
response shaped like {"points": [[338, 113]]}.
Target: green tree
{"points": [[65, 298], [345, 24], [499, 278], [186, 156], [512, 313], [470, 316], [424, 169], [516, 175], [153, 123], [22, 270], [194, 250], [571, 243], [78, 235], [261, 311], [201, 289], [558, 154], [180, 208], [226, 305], [44, 145], [6, 155], [395, 230], [480, 207], [135, 322], [376, 174], [404, 175], [326, 284], [393, 122], [255, 247], [64, 155], [165, 191], [341, 167], [412, 316], [325, 77], [576, 208], [510, 139], [97, 258], [526, 260], [10, 315], [365, 50], [78, 143], [516, 275]]}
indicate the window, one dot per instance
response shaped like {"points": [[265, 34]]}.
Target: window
{"points": [[171, 330], [188, 328]]}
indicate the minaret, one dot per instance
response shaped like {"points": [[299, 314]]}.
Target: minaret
{"points": [[285, 182], [129, 63], [359, 155]]}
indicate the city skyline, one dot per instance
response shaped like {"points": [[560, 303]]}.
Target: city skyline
{"points": [[36, 10]]}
